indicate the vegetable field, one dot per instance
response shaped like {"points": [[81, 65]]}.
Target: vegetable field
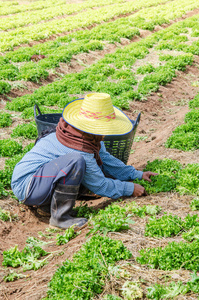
{"points": [[145, 54]]}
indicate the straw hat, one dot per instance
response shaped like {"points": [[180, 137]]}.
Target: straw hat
{"points": [[96, 114]]}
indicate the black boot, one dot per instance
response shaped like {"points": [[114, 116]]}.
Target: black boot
{"points": [[63, 200]]}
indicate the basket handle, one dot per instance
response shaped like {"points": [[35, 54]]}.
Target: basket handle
{"points": [[138, 119], [36, 108]]}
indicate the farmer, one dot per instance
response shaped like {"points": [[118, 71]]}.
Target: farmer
{"points": [[50, 174]]}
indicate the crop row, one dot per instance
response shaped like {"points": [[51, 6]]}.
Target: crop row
{"points": [[186, 136], [84, 19], [88, 280], [34, 17], [81, 41], [104, 76], [12, 7], [112, 251], [186, 253]]}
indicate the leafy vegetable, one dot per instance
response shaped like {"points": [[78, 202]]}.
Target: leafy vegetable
{"points": [[12, 276], [159, 183], [3, 192], [134, 208], [112, 297], [158, 291], [169, 225], [84, 277], [195, 204], [28, 258], [192, 234], [5, 87], [113, 218], [9, 147], [5, 119], [131, 290], [173, 257], [67, 236], [29, 131], [187, 180], [5, 215]]}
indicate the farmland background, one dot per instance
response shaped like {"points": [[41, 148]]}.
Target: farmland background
{"points": [[145, 55]]}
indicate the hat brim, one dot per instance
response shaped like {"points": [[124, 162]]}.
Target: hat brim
{"points": [[118, 126]]}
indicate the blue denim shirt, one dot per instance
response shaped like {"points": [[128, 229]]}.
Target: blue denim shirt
{"points": [[49, 148]]}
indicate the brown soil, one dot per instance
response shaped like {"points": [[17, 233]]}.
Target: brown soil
{"points": [[161, 113]]}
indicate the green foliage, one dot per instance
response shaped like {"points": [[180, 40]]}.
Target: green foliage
{"points": [[112, 218], [84, 211], [29, 131], [121, 102], [6, 174], [184, 137], [173, 257], [158, 291], [187, 180], [8, 72], [84, 277], [195, 204], [28, 258], [140, 138], [112, 297], [20, 103], [180, 62], [123, 74], [195, 102], [192, 234], [5, 119], [5, 215], [33, 72], [131, 290], [3, 192], [9, 147], [169, 225], [171, 177], [145, 69], [135, 209], [5, 87], [68, 235], [159, 183], [28, 113], [192, 115], [12, 276], [164, 167]]}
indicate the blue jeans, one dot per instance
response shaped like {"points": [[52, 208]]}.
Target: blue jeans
{"points": [[67, 169]]}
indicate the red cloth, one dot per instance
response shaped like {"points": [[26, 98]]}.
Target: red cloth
{"points": [[79, 140]]}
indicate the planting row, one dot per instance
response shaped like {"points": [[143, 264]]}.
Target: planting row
{"points": [[119, 219], [88, 280], [12, 7], [186, 136], [34, 17], [62, 49], [84, 19], [113, 74]]}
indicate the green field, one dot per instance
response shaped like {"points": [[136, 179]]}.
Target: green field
{"points": [[145, 54]]}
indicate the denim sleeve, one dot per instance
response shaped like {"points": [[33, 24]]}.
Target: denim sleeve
{"points": [[96, 182], [116, 168]]}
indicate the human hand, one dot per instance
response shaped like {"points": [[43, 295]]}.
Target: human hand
{"points": [[146, 175], [139, 190]]}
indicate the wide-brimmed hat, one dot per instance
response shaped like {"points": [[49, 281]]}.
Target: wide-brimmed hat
{"points": [[96, 114]]}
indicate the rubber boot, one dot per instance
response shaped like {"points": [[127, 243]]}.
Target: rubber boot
{"points": [[63, 200]]}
